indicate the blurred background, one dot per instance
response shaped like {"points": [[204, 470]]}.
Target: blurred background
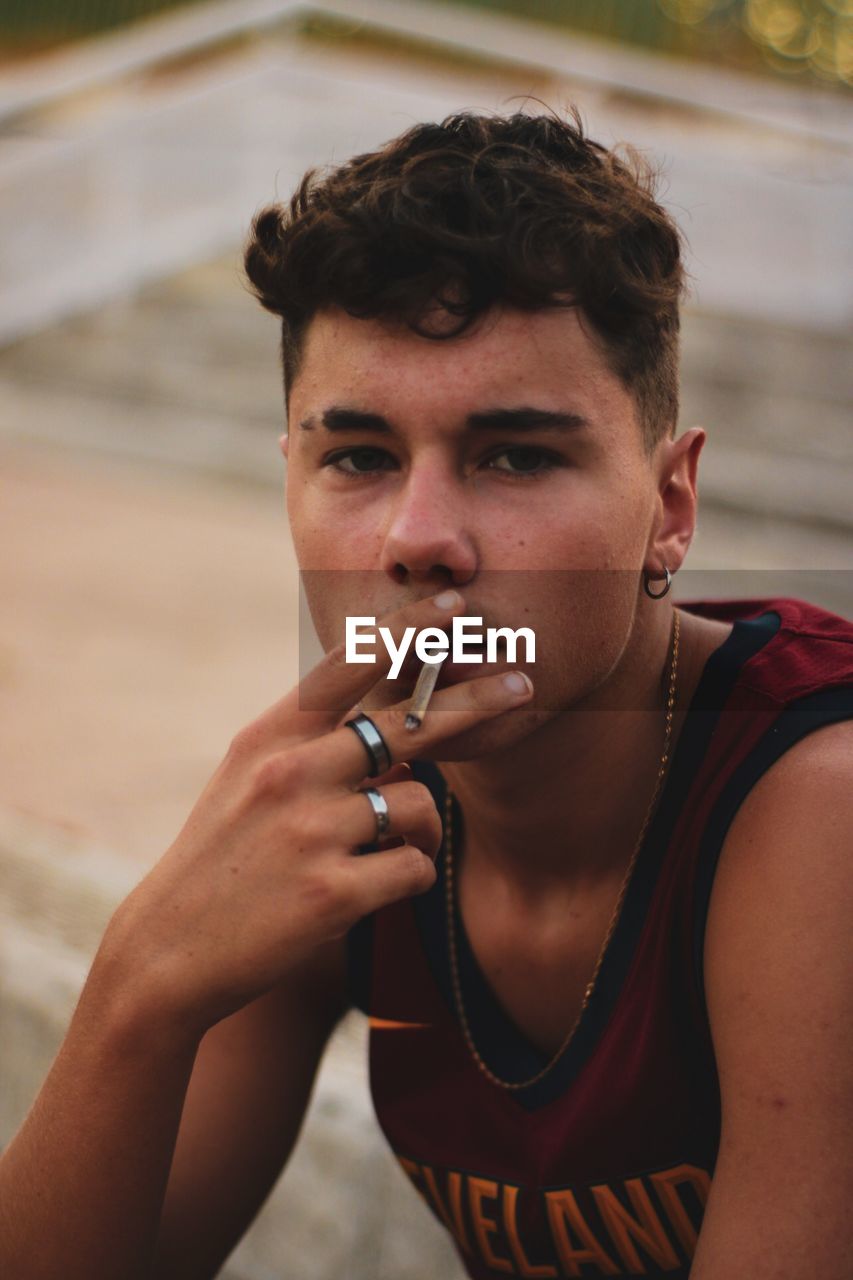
{"points": [[149, 595]]}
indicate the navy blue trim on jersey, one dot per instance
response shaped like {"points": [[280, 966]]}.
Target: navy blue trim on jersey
{"points": [[503, 1046], [795, 722], [359, 963]]}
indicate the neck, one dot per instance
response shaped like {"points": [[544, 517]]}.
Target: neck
{"points": [[567, 808]]}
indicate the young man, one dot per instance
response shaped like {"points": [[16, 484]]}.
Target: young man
{"points": [[610, 1027]]}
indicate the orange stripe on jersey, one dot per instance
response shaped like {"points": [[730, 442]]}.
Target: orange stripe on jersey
{"points": [[387, 1024]]}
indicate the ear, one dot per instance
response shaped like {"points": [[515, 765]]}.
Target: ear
{"points": [[677, 502], [283, 444]]}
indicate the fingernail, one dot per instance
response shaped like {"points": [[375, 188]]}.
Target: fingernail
{"points": [[518, 682], [447, 600]]}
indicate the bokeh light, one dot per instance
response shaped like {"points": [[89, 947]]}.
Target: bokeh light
{"points": [[793, 36]]}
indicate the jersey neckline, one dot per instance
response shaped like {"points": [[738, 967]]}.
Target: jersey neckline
{"points": [[503, 1045]]}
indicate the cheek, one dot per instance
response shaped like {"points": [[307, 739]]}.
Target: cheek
{"points": [[576, 544], [595, 536], [583, 620], [575, 524], [329, 533], [333, 595], [591, 639]]}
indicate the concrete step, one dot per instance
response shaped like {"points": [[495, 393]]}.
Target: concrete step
{"points": [[776, 383], [199, 339], [343, 1207], [187, 372]]}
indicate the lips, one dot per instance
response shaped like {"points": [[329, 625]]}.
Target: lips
{"points": [[453, 672], [458, 672]]}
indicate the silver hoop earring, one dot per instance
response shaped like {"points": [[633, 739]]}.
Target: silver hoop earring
{"points": [[647, 577]]}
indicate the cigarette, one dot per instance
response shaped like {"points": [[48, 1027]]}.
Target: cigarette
{"points": [[423, 691]]}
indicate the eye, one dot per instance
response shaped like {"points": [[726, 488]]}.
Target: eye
{"points": [[515, 460], [523, 460], [360, 461]]}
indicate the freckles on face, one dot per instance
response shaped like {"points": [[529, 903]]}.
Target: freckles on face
{"points": [[427, 391], [558, 550]]}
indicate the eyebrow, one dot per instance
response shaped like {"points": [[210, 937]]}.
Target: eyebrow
{"points": [[524, 418]]}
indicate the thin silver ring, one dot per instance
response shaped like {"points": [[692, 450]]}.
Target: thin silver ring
{"points": [[380, 808], [374, 744]]}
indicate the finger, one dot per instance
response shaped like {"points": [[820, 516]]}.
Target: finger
{"points": [[383, 878], [334, 687], [411, 814], [401, 772], [341, 756], [389, 842], [397, 773]]}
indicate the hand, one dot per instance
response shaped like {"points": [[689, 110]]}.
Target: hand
{"points": [[264, 870]]}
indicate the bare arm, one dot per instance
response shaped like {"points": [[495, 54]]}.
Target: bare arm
{"points": [[245, 1105], [777, 963], [260, 881], [82, 1183], [110, 1111]]}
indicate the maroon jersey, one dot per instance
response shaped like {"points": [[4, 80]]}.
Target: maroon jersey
{"points": [[603, 1167]]}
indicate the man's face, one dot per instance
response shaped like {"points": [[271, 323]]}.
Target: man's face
{"points": [[507, 462]]}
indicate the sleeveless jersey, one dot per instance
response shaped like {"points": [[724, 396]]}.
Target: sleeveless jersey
{"points": [[603, 1167]]}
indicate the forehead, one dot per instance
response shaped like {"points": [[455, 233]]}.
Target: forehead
{"points": [[547, 358]]}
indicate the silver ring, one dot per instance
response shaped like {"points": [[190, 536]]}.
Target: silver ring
{"points": [[374, 744], [380, 809]]}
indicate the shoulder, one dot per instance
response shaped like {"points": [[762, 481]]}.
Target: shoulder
{"points": [[793, 823], [783, 886], [822, 759], [780, 1006], [784, 867], [783, 882]]}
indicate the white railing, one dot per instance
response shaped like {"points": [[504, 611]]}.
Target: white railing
{"points": [[502, 40], [111, 177]]}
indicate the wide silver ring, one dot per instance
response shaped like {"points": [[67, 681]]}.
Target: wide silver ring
{"points": [[374, 744], [380, 809]]}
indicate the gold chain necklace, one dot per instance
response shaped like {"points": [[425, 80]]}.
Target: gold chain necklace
{"points": [[449, 895]]}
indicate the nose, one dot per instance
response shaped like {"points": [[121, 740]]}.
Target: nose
{"points": [[427, 541]]}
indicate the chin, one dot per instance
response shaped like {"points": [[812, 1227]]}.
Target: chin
{"points": [[504, 733]]}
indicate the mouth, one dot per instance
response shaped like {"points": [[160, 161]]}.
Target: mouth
{"points": [[459, 672], [455, 672]]}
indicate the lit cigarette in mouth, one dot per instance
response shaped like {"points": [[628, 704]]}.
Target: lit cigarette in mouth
{"points": [[423, 691]]}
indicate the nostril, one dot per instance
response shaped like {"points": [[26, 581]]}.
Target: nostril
{"points": [[435, 578]]}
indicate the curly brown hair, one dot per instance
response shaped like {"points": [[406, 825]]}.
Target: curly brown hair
{"points": [[481, 210]]}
